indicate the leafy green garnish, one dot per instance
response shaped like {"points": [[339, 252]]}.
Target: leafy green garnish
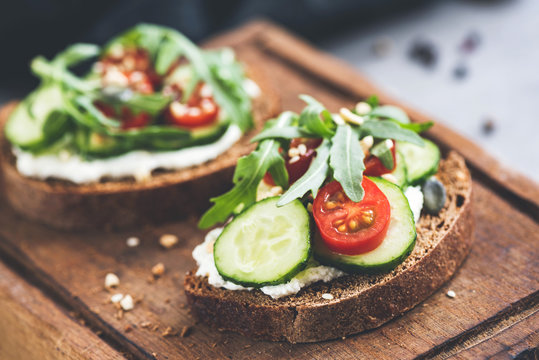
{"points": [[390, 112], [347, 161], [315, 118], [249, 172], [312, 179], [387, 129], [417, 127], [383, 152]]}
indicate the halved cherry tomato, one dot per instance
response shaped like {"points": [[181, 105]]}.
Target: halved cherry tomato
{"points": [[297, 165], [374, 167], [200, 110], [132, 121], [348, 227]]}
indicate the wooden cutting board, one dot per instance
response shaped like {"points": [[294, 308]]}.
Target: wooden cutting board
{"points": [[55, 306]]}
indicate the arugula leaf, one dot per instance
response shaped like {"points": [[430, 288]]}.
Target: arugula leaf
{"points": [[249, 172], [346, 160], [315, 118], [167, 54], [390, 112], [149, 103], [86, 103], [312, 179], [372, 101], [387, 129], [383, 152], [48, 71], [75, 54], [417, 127]]}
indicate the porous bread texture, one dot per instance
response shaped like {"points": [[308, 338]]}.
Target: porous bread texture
{"points": [[360, 302]]}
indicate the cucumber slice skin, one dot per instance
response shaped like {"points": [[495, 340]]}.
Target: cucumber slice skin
{"points": [[400, 173], [359, 264], [301, 263], [421, 162]]}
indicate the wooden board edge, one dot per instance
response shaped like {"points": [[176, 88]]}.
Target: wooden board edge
{"points": [[297, 51]]}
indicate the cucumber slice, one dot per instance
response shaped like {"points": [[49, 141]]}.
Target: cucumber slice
{"points": [[38, 120], [397, 245], [264, 245], [400, 173], [421, 161]]}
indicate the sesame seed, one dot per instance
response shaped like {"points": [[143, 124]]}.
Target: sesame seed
{"points": [[133, 241], [327, 296], [168, 240], [451, 294], [302, 148], [362, 108], [116, 298], [293, 152], [158, 269], [293, 160], [111, 280], [127, 303]]}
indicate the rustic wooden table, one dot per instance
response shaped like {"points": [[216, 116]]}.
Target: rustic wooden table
{"points": [[55, 306]]}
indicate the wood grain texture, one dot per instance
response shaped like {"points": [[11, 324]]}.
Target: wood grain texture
{"points": [[498, 282], [33, 327]]}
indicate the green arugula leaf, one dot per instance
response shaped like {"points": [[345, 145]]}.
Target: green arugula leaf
{"points": [[149, 103], [346, 160], [315, 118], [417, 127], [372, 101], [75, 54], [383, 152], [168, 53], [250, 170], [312, 179], [387, 129], [86, 103], [48, 71], [390, 112]]}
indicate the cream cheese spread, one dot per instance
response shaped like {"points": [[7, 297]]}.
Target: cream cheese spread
{"points": [[203, 255]]}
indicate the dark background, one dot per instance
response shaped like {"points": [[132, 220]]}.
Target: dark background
{"points": [[32, 27]]}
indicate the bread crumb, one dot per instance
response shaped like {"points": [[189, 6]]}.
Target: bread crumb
{"points": [[185, 331], [119, 314], [145, 324], [168, 240], [327, 296], [128, 328], [116, 298], [451, 294], [158, 269], [168, 332], [150, 279], [111, 280], [127, 303], [133, 241], [155, 327]]}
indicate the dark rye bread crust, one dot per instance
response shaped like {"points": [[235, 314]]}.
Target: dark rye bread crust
{"points": [[168, 195], [360, 302]]}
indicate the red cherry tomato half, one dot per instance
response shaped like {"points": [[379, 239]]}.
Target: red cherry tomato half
{"points": [[297, 165], [133, 121], [199, 110], [374, 167], [348, 227]]}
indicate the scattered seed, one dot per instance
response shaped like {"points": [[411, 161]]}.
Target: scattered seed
{"points": [[145, 324], [168, 332], [362, 108], [158, 269], [155, 327], [119, 314], [423, 52], [451, 294], [382, 46], [133, 241], [111, 281], [116, 298], [293, 152], [127, 303], [327, 296], [349, 116], [302, 148], [185, 331], [168, 240], [128, 328], [488, 126], [294, 159]]}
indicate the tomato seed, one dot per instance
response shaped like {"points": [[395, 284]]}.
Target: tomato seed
{"points": [[330, 205], [342, 228]]}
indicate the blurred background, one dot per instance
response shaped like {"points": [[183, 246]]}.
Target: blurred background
{"points": [[473, 65]]}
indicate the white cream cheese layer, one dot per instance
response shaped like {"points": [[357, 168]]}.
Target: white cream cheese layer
{"points": [[137, 163], [415, 199], [203, 255]]}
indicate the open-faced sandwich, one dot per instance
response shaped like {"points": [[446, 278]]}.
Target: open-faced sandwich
{"points": [[122, 134], [336, 223]]}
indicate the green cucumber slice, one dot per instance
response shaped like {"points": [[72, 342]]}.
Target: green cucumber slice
{"points": [[421, 161], [397, 245], [400, 173], [38, 120], [265, 244]]}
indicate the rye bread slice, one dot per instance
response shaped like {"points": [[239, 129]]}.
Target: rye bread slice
{"points": [[360, 302], [120, 203]]}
